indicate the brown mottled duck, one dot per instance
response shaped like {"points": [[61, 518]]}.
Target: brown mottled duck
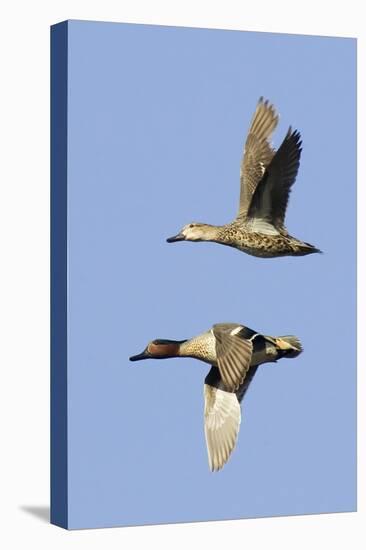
{"points": [[266, 178]]}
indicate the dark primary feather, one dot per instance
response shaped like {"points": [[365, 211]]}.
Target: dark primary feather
{"points": [[214, 379], [271, 196], [241, 391], [247, 333]]}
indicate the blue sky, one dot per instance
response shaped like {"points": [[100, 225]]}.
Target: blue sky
{"points": [[157, 121]]}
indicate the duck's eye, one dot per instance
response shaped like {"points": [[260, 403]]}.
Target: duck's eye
{"points": [[191, 225]]}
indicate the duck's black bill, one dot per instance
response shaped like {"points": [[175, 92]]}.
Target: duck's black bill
{"points": [[140, 356], [176, 238]]}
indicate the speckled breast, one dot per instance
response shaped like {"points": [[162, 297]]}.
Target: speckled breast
{"points": [[201, 347]]}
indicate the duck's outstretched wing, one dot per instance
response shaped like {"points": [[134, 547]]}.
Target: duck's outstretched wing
{"points": [[269, 202], [233, 354], [257, 153], [222, 420], [222, 416]]}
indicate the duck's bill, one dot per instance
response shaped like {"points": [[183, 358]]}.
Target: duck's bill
{"points": [[140, 356], [176, 238]]}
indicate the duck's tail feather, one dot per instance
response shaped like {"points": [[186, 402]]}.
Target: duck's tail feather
{"points": [[289, 344], [307, 248]]}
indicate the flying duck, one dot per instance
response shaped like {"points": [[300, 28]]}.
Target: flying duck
{"points": [[234, 352], [266, 178]]}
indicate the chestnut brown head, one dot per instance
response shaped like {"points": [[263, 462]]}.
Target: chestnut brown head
{"points": [[159, 349]]}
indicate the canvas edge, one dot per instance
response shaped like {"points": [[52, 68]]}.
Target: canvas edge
{"points": [[58, 237]]}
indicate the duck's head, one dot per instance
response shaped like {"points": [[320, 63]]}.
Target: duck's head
{"points": [[195, 232], [159, 349]]}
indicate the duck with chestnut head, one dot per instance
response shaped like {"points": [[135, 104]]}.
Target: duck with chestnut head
{"points": [[234, 352]]}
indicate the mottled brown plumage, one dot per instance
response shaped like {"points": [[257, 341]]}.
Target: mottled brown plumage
{"points": [[266, 178]]}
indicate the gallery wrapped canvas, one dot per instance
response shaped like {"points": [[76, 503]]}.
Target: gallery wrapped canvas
{"points": [[203, 232]]}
